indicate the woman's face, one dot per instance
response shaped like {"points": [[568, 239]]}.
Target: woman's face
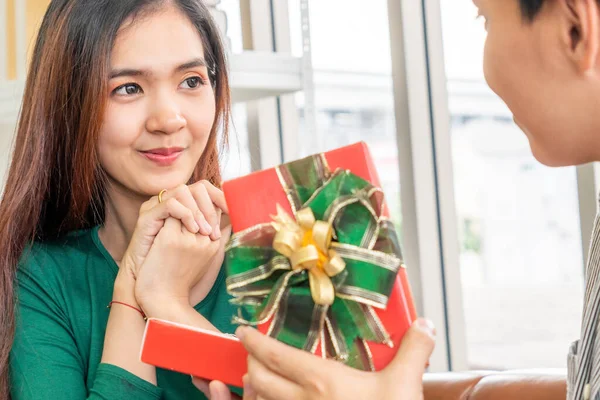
{"points": [[161, 105]]}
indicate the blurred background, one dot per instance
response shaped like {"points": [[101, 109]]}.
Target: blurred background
{"points": [[494, 241]]}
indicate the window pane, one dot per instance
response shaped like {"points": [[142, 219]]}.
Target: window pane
{"points": [[353, 84], [521, 256], [228, 17], [236, 160]]}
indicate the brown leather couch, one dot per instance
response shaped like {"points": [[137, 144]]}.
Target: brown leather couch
{"points": [[486, 385]]}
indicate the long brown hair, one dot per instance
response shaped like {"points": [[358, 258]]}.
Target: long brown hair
{"points": [[55, 183]]}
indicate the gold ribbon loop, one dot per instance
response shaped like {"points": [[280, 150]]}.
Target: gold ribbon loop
{"points": [[306, 242], [283, 221], [321, 287], [322, 233], [306, 218], [335, 265], [286, 242], [307, 257]]}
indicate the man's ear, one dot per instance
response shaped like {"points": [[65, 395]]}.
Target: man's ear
{"points": [[583, 24]]}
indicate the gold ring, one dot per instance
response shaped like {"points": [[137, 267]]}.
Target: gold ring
{"points": [[160, 195]]}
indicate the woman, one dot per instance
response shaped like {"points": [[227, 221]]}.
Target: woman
{"points": [[124, 99]]}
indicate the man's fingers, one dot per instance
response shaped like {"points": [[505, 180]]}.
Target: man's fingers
{"points": [[249, 392], [415, 350], [292, 364], [269, 385]]}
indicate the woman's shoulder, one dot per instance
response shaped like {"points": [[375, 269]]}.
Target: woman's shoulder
{"points": [[48, 257]]}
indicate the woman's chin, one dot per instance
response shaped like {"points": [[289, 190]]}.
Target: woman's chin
{"points": [[153, 185]]}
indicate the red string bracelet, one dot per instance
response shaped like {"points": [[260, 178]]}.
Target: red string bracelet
{"points": [[127, 305]]}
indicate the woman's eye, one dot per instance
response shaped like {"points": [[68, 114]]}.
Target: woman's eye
{"points": [[128, 89], [193, 82]]}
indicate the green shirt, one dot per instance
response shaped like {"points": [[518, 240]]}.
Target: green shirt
{"points": [[63, 289]]}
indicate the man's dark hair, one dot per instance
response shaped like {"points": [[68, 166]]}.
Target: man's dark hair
{"points": [[530, 8]]}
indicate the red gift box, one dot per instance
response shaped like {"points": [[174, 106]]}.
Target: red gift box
{"points": [[252, 200]]}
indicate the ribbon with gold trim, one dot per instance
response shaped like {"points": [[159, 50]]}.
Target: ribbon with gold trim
{"points": [[317, 276]]}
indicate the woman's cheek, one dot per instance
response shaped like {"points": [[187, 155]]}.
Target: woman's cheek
{"points": [[123, 124], [200, 123]]}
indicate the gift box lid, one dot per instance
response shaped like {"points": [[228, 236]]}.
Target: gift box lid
{"points": [[252, 199], [194, 351]]}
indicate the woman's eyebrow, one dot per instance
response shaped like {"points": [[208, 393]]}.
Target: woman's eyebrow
{"points": [[196, 62]]}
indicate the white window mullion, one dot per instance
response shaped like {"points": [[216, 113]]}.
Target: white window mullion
{"points": [[417, 173], [263, 119], [424, 151], [288, 110], [445, 186]]}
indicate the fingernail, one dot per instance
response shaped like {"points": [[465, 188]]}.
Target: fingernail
{"points": [[240, 332], [427, 326], [248, 391], [206, 228], [217, 232]]}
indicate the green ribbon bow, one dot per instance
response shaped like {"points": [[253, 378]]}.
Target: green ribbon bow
{"points": [[267, 289]]}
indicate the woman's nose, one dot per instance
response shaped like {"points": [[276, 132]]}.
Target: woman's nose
{"points": [[166, 118]]}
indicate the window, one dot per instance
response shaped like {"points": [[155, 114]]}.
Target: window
{"points": [[236, 160], [352, 83]]}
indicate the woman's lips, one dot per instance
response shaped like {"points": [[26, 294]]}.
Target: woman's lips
{"points": [[163, 156]]}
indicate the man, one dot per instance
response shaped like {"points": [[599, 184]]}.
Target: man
{"points": [[542, 57]]}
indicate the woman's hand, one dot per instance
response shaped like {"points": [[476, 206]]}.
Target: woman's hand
{"points": [[215, 390], [176, 262], [278, 372], [197, 206], [192, 211]]}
